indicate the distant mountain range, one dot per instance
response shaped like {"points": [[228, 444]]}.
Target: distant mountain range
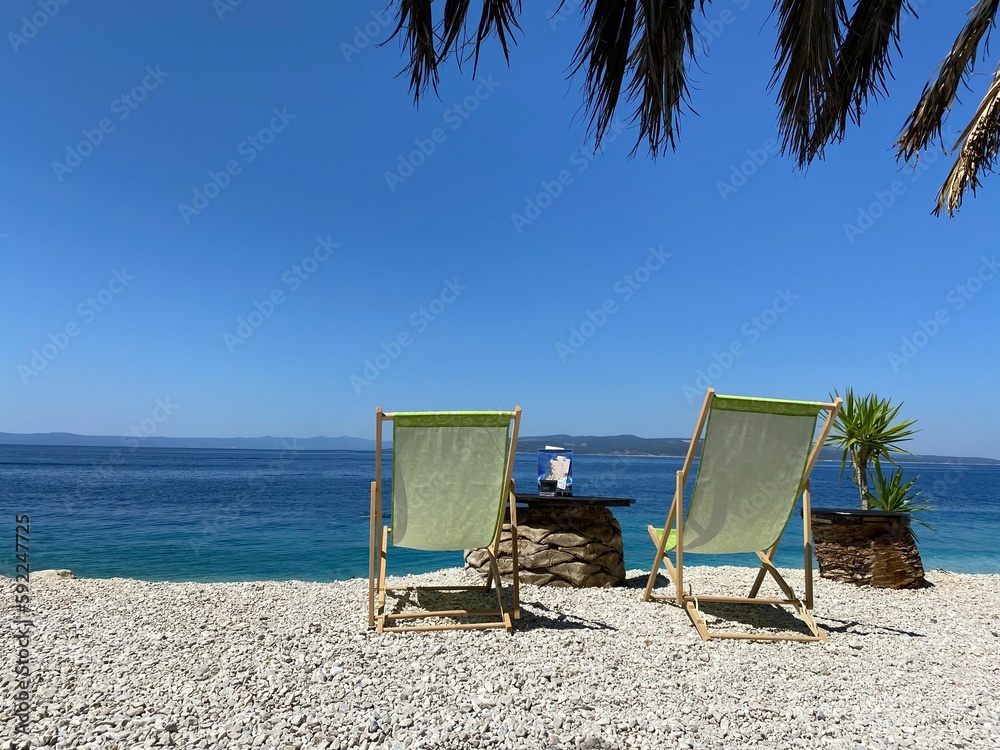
{"points": [[607, 445]]}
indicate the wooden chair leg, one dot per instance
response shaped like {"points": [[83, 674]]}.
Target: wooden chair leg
{"points": [[761, 574], [380, 611], [651, 581], [768, 567], [515, 571], [372, 558], [661, 544], [501, 596]]}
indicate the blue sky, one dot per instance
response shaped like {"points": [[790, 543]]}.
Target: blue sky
{"points": [[245, 218]]}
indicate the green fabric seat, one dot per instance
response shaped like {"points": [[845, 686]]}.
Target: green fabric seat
{"points": [[756, 457], [448, 473], [451, 485], [753, 458]]}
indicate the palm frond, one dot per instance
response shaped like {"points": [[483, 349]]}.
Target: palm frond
{"points": [[416, 22], [863, 62], [455, 14], [604, 52], [980, 146], [925, 121], [809, 35], [499, 17], [665, 37]]}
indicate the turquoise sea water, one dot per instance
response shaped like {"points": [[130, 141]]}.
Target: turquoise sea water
{"points": [[230, 515]]}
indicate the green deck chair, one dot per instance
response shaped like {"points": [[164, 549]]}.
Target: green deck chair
{"points": [[755, 462], [451, 486]]}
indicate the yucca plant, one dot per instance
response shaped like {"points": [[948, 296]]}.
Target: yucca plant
{"points": [[890, 494], [868, 430]]}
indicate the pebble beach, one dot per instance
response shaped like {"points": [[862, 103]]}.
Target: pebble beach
{"points": [[120, 663]]}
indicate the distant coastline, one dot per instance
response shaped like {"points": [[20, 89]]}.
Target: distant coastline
{"points": [[594, 445]]}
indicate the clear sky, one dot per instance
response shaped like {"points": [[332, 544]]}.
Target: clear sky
{"points": [[230, 219]]}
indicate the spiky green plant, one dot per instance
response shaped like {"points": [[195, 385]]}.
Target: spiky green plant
{"points": [[867, 431], [891, 495]]}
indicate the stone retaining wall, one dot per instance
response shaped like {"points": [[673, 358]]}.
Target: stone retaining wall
{"points": [[561, 546]]}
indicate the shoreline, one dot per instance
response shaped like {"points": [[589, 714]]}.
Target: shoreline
{"points": [[121, 663], [68, 574]]}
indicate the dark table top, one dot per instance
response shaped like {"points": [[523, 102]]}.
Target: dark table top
{"points": [[571, 500], [847, 516], [851, 513]]}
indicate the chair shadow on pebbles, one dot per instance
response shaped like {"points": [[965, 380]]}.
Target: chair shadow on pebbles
{"points": [[434, 600], [853, 627], [638, 581], [538, 616], [762, 619], [533, 615]]}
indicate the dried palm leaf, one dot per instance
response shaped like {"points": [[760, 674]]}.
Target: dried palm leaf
{"points": [[927, 118], [809, 35], [980, 146]]}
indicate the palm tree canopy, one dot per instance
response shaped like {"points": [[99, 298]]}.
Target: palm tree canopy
{"points": [[828, 64]]}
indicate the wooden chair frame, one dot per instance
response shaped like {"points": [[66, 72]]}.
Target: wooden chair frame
{"points": [[382, 620], [690, 601]]}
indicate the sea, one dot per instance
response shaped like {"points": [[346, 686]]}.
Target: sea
{"points": [[175, 514]]}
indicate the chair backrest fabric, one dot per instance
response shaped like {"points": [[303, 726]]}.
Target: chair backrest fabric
{"points": [[448, 475], [753, 458]]}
